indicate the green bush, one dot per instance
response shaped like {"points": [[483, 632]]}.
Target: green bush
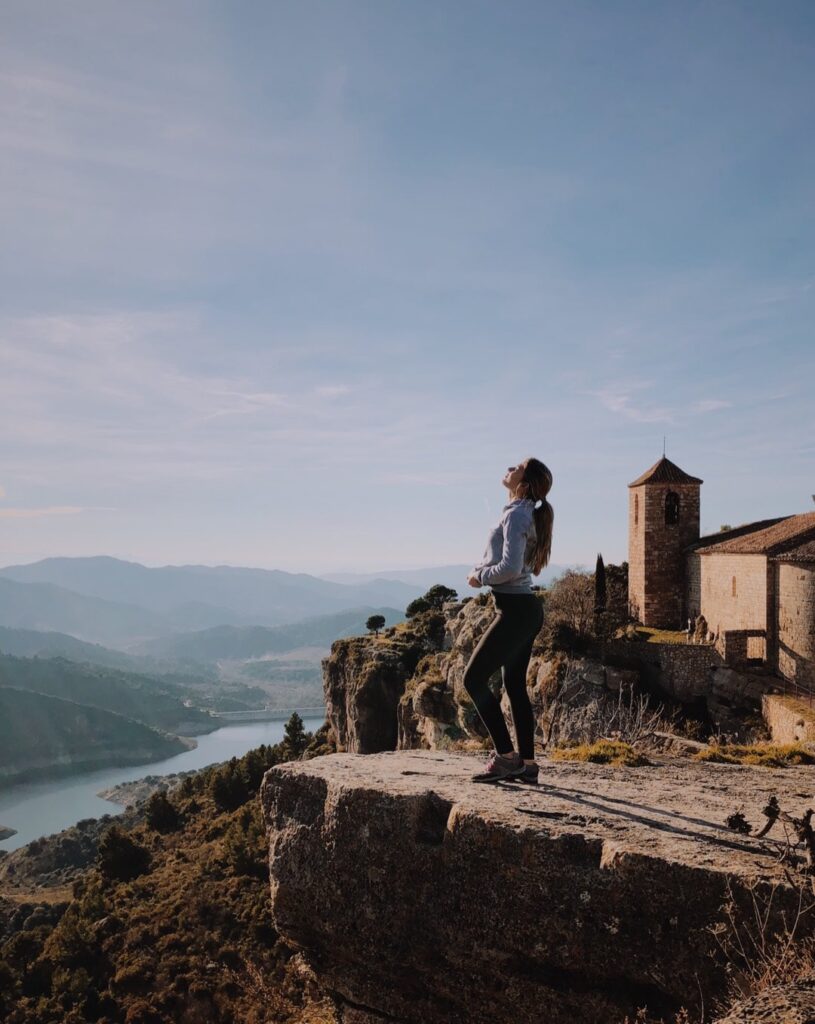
{"points": [[161, 814], [120, 857]]}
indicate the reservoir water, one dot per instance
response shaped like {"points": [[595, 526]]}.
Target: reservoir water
{"points": [[41, 808]]}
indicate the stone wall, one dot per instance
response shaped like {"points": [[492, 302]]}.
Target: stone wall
{"points": [[744, 609], [693, 584], [788, 719], [680, 671], [656, 552], [796, 622]]}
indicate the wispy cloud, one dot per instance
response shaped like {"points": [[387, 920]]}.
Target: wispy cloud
{"points": [[624, 400]]}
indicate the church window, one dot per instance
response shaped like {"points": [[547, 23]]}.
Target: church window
{"points": [[636, 509], [671, 508], [733, 587]]}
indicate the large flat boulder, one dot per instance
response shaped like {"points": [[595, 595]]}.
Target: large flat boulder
{"points": [[418, 896]]}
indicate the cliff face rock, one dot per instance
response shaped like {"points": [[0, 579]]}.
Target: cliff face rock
{"points": [[418, 897], [363, 681], [405, 689]]}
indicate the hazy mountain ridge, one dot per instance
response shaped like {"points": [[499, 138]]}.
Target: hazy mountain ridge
{"points": [[43, 736], [246, 642], [238, 595], [33, 643], [140, 698], [453, 576]]}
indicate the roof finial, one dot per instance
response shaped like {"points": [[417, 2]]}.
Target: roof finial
{"points": [[663, 446]]}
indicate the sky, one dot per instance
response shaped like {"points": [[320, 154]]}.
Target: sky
{"points": [[292, 284]]}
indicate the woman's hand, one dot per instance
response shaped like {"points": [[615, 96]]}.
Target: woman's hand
{"points": [[474, 581]]}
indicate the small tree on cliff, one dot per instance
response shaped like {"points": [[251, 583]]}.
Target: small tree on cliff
{"points": [[416, 607], [375, 623], [434, 599]]}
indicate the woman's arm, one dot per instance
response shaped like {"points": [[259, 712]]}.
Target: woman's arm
{"points": [[516, 530]]}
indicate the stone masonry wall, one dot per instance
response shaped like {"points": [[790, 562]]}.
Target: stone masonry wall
{"points": [[636, 551], [747, 608], [796, 622], [789, 720], [656, 558], [693, 584], [681, 671]]}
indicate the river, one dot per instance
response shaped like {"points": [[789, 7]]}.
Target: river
{"points": [[40, 808]]}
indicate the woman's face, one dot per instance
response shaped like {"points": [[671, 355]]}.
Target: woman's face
{"points": [[513, 476]]}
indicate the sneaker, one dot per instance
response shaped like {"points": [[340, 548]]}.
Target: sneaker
{"points": [[529, 775], [500, 766]]}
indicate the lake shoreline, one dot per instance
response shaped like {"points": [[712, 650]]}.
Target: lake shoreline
{"points": [[43, 807], [54, 772]]}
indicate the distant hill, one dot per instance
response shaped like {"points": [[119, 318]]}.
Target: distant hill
{"points": [[454, 576], [43, 736], [44, 606], [140, 698], [199, 596], [122, 604], [241, 643], [30, 643]]}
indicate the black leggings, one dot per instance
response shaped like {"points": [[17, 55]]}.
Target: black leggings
{"points": [[506, 644]]}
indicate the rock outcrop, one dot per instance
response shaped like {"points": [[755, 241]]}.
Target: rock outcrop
{"points": [[405, 689], [417, 896], [363, 681]]}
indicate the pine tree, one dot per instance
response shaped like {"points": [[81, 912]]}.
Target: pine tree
{"points": [[120, 857], [296, 739], [600, 593]]}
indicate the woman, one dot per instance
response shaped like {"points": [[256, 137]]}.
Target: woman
{"points": [[519, 546]]}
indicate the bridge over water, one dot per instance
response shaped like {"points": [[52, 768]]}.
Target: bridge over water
{"points": [[267, 714]]}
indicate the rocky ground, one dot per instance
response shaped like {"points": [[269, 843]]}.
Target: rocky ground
{"points": [[417, 895]]}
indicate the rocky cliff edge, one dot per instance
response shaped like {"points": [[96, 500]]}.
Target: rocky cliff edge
{"points": [[418, 896]]}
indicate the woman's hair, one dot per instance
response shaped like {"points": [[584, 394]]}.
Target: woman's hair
{"points": [[536, 484]]}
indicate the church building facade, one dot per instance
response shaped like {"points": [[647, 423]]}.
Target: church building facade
{"points": [[754, 585]]}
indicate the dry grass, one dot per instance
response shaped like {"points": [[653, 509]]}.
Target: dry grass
{"points": [[652, 635], [611, 752], [767, 755]]}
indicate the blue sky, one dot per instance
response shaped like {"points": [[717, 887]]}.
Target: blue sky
{"points": [[290, 285]]}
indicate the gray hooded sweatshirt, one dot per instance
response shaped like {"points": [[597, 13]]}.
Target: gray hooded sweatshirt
{"points": [[507, 564]]}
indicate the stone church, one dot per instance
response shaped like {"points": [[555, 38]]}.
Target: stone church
{"points": [[755, 585]]}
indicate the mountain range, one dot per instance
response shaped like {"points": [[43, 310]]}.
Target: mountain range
{"points": [[125, 605]]}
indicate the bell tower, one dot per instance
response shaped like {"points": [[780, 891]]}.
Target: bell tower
{"points": [[663, 520]]}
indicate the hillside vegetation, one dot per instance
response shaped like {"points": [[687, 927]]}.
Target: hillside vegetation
{"points": [[144, 699], [42, 736], [173, 921]]}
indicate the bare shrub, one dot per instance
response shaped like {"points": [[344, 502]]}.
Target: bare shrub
{"points": [[767, 939], [582, 713]]}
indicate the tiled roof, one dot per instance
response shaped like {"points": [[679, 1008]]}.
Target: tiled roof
{"points": [[665, 472], [803, 553], [771, 541], [736, 531]]}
